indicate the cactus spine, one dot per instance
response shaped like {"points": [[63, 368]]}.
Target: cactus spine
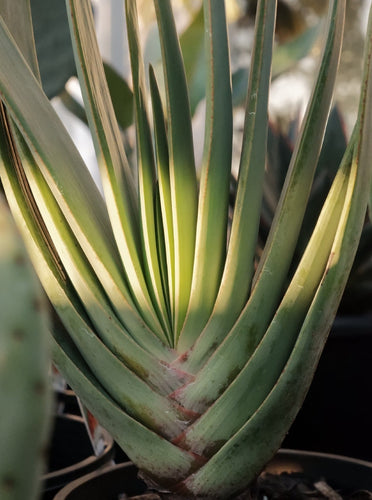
{"points": [[25, 395]]}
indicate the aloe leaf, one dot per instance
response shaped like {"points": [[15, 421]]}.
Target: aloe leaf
{"points": [[333, 148], [130, 392], [255, 381], [210, 246], [181, 162], [146, 171], [164, 201], [292, 204], [155, 455], [63, 296], [59, 133], [249, 450], [73, 188], [235, 283], [105, 316], [116, 176], [274, 264]]}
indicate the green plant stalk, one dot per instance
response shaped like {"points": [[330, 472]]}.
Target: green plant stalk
{"points": [[25, 396]]}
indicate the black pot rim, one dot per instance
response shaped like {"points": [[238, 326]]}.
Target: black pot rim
{"points": [[64, 492], [60, 477], [344, 472], [288, 460]]}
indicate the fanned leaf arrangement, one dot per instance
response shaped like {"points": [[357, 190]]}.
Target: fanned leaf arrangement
{"points": [[193, 355]]}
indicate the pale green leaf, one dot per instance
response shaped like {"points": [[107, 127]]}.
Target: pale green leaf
{"points": [[116, 176], [153, 454], [181, 162], [235, 284], [146, 174], [211, 230]]}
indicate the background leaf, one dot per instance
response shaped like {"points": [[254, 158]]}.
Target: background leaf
{"points": [[53, 44]]}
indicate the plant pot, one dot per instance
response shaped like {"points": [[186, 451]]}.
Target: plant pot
{"points": [[67, 402], [106, 484], [341, 473], [334, 417], [71, 454]]}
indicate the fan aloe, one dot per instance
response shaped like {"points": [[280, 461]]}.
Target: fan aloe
{"points": [[194, 358]]}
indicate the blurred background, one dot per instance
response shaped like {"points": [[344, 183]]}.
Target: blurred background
{"points": [[298, 44]]}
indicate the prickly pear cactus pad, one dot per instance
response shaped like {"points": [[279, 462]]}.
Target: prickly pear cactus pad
{"points": [[24, 388]]}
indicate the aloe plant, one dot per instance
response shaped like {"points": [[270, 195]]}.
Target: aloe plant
{"points": [[193, 357]]}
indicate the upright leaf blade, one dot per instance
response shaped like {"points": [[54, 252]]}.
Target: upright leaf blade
{"points": [[116, 176], [146, 173], [165, 216], [211, 231], [235, 282], [181, 162], [274, 264], [292, 204]]}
